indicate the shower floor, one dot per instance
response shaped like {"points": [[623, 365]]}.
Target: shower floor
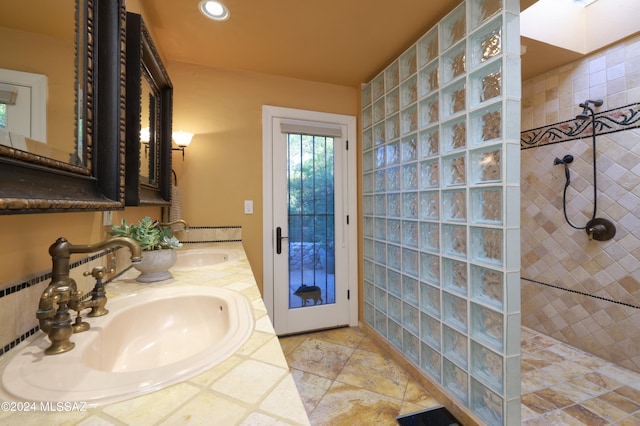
{"points": [[341, 374], [564, 385]]}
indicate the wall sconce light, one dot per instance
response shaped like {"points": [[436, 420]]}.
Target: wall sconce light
{"points": [[145, 135], [182, 139]]}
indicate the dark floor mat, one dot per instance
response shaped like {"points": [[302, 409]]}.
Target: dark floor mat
{"points": [[439, 416]]}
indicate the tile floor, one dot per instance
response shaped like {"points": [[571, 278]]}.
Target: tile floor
{"points": [[344, 378], [562, 385]]}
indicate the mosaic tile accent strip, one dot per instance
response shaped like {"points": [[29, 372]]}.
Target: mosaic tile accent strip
{"points": [[614, 120], [12, 288], [26, 284]]}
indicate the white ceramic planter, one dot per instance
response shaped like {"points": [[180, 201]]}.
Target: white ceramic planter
{"points": [[155, 265]]}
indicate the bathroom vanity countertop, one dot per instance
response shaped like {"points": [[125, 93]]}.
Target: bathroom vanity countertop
{"points": [[253, 386]]}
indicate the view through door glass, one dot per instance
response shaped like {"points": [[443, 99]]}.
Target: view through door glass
{"points": [[310, 177]]}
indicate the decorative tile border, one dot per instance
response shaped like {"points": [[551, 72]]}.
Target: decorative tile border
{"points": [[25, 284], [13, 288], [210, 234], [614, 120], [582, 293]]}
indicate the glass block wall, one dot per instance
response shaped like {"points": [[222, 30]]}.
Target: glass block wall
{"points": [[441, 206]]}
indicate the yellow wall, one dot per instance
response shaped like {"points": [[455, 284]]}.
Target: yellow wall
{"points": [[223, 164], [26, 238]]}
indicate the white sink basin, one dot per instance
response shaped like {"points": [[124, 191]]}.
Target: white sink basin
{"points": [[149, 340], [199, 258]]}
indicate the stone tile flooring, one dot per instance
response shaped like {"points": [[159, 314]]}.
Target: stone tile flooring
{"points": [[562, 385], [344, 378]]}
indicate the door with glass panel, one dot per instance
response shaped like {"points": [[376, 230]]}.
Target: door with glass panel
{"points": [[310, 257]]}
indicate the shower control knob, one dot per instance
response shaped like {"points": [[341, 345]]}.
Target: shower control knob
{"points": [[600, 229], [565, 160]]}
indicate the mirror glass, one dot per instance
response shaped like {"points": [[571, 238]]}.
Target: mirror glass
{"points": [[147, 133], [41, 100]]}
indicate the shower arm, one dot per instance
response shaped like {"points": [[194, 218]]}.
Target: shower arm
{"points": [[587, 112]]}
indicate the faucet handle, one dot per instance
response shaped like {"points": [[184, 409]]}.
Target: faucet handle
{"points": [[98, 272]]}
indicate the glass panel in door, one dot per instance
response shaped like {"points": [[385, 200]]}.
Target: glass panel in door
{"points": [[310, 178]]}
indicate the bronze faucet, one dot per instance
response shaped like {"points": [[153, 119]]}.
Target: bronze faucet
{"points": [[62, 292], [175, 222]]}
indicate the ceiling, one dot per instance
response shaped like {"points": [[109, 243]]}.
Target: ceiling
{"points": [[343, 42], [53, 18]]}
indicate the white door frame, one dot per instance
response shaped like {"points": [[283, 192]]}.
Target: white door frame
{"points": [[268, 233], [31, 113]]}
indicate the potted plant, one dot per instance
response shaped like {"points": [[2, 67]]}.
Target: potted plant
{"points": [[157, 244]]}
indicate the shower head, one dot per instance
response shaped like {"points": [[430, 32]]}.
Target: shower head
{"points": [[584, 114], [586, 108]]}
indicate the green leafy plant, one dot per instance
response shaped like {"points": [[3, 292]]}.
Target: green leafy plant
{"points": [[147, 233]]}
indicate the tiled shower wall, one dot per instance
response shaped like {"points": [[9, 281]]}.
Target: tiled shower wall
{"points": [[441, 198], [585, 293]]}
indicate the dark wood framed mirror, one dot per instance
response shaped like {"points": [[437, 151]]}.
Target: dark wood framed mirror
{"points": [[82, 167], [149, 119]]}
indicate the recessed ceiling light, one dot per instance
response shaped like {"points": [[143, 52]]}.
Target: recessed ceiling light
{"points": [[214, 10]]}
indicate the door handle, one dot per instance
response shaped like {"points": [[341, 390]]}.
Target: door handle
{"points": [[279, 239]]}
